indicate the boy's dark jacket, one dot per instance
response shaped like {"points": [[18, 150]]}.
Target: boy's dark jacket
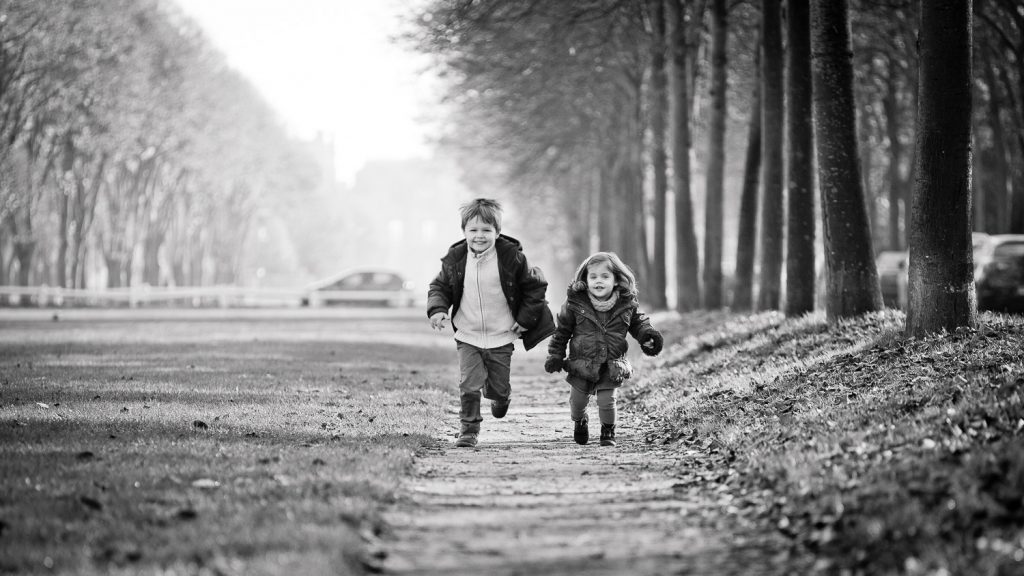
{"points": [[591, 341], [524, 288]]}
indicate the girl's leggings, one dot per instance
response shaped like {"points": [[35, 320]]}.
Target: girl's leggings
{"points": [[605, 404]]}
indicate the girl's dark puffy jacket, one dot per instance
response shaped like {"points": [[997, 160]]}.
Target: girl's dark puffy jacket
{"points": [[592, 342], [524, 288]]}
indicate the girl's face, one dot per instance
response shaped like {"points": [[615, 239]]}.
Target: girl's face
{"points": [[600, 280], [479, 235]]}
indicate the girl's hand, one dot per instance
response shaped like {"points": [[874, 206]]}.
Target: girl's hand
{"points": [[437, 321], [652, 345], [554, 364], [517, 329]]}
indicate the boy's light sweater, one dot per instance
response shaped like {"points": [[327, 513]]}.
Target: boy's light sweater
{"points": [[484, 319]]}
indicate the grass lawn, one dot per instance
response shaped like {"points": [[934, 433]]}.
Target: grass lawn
{"points": [[207, 446], [874, 453]]}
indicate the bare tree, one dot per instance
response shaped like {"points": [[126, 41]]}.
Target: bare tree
{"points": [[713, 209], [687, 263], [746, 245], [800, 234], [941, 291], [851, 276], [659, 159], [769, 296]]}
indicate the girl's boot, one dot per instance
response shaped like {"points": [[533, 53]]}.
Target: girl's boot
{"points": [[581, 430], [607, 434]]}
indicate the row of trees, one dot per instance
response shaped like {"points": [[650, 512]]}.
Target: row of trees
{"points": [[601, 112], [129, 149]]}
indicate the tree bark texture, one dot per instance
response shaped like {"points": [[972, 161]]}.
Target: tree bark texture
{"points": [[770, 286], [746, 243], [800, 233], [687, 259], [659, 105], [713, 205], [851, 276], [941, 291]]}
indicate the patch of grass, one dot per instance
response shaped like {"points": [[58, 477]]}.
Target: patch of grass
{"points": [[238, 457], [875, 453]]}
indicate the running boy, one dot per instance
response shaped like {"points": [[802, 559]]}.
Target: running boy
{"points": [[495, 297]]}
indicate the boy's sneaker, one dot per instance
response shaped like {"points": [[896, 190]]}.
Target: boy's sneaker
{"points": [[498, 409], [466, 440], [581, 431], [607, 434], [468, 436]]}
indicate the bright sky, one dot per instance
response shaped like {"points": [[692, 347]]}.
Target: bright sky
{"points": [[328, 66]]}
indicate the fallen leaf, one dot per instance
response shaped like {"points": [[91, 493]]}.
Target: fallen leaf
{"points": [[205, 483], [187, 514], [200, 424], [90, 502]]}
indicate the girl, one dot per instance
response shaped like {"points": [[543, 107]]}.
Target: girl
{"points": [[600, 309]]}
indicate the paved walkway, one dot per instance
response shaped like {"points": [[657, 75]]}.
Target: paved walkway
{"points": [[528, 500]]}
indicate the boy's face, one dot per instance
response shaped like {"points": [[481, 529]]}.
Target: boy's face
{"points": [[600, 280], [479, 235]]}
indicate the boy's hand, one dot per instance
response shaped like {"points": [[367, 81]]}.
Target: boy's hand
{"points": [[437, 321], [554, 364], [652, 345], [517, 329]]}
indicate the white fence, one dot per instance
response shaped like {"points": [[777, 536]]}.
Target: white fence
{"points": [[136, 296], [195, 297]]}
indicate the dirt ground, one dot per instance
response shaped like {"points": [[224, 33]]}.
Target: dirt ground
{"points": [[529, 500]]}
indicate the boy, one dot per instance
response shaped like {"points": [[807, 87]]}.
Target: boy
{"points": [[495, 297]]}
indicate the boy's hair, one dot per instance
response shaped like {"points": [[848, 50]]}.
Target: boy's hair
{"points": [[624, 277], [485, 209]]}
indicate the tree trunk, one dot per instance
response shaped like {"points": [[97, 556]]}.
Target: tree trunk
{"points": [[687, 262], [713, 209], [606, 237], [23, 252], [997, 194], [890, 104], [151, 258], [637, 206], [743, 289], [769, 296], [800, 269], [941, 290], [851, 276], [86, 198], [63, 184], [864, 147], [659, 105]]}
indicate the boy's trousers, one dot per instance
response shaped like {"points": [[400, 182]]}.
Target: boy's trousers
{"points": [[486, 369]]}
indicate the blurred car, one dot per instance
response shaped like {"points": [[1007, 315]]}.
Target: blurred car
{"points": [[999, 273], [892, 276], [894, 267], [375, 287]]}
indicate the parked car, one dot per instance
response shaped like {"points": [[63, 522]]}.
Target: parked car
{"points": [[892, 277], [379, 287], [894, 267], [999, 273]]}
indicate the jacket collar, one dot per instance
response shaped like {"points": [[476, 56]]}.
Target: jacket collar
{"points": [[625, 301], [502, 245]]}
